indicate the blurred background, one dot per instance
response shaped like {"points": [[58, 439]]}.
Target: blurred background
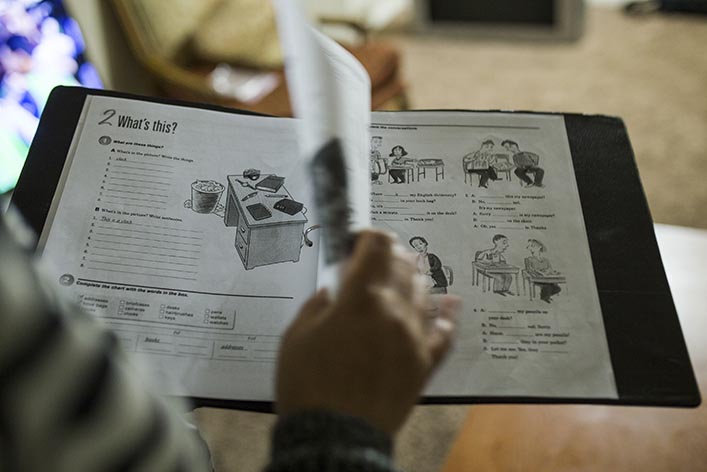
{"points": [[644, 62], [544, 55]]}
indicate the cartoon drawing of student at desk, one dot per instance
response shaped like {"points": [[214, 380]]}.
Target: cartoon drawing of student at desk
{"points": [[399, 166], [539, 272], [491, 264]]}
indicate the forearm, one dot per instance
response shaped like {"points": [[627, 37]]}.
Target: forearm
{"points": [[70, 403]]}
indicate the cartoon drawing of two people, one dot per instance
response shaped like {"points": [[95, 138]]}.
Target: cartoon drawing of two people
{"points": [[430, 266], [487, 164], [536, 265], [379, 164]]}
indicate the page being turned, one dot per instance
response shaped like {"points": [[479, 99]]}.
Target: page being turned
{"points": [[330, 92]]}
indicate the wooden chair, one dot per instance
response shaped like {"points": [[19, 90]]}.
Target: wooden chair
{"points": [[162, 41]]}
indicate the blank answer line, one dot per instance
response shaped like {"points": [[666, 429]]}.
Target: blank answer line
{"points": [[142, 168], [143, 267], [141, 273], [138, 180], [144, 245], [166, 227], [153, 349], [146, 260], [139, 175], [134, 205], [132, 186], [146, 239], [146, 252], [151, 232], [132, 192], [149, 200], [147, 163]]}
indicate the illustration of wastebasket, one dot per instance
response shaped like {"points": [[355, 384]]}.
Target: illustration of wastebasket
{"points": [[205, 195]]}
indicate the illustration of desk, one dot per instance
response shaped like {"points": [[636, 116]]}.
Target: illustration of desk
{"points": [[262, 239], [433, 164], [488, 270], [531, 280], [409, 169]]}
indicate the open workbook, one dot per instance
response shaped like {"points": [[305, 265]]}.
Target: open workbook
{"points": [[187, 230]]}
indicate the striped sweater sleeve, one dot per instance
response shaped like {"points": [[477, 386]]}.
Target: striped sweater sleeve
{"points": [[68, 401]]}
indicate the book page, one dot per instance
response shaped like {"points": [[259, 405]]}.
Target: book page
{"points": [[489, 202], [187, 231], [331, 97]]}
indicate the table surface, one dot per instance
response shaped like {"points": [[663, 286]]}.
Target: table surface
{"points": [[491, 267], [265, 198], [588, 437]]}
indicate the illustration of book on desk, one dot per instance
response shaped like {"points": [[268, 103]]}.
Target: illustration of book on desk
{"points": [[594, 321]]}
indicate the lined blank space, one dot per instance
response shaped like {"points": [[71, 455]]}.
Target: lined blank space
{"points": [[118, 249], [169, 228], [142, 168], [144, 245], [148, 200], [141, 231], [144, 163], [111, 263], [133, 192], [138, 180], [140, 273], [139, 175], [147, 239], [134, 205], [143, 259]]}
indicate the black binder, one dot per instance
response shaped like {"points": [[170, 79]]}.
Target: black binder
{"points": [[648, 352]]}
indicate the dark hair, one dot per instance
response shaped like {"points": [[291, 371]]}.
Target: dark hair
{"points": [[488, 141], [498, 236], [376, 137], [538, 244], [395, 147], [509, 142], [420, 238]]}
